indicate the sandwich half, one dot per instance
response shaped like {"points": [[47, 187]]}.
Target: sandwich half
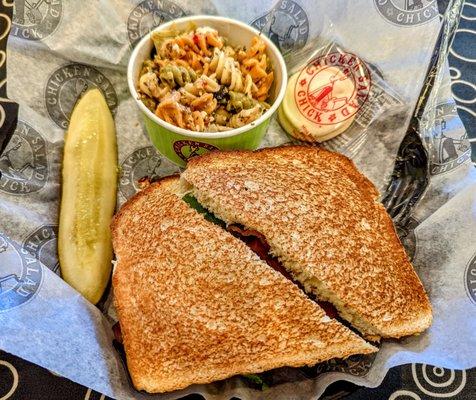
{"points": [[196, 305], [322, 219]]}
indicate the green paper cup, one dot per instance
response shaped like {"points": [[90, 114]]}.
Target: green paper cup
{"points": [[178, 144]]}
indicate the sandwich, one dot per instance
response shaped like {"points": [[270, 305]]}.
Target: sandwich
{"points": [[196, 304], [251, 261], [322, 220]]}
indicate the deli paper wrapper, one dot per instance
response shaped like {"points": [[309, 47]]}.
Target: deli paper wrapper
{"points": [[60, 49]]}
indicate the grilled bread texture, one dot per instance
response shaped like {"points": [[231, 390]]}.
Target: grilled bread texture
{"points": [[196, 305], [322, 219]]}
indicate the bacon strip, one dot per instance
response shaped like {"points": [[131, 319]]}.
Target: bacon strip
{"points": [[116, 329]]}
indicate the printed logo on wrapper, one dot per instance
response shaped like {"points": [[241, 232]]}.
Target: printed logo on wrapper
{"points": [[20, 276], [68, 83], [470, 279], [36, 20], [148, 15], [407, 12], [448, 139], [287, 25], [23, 164], [187, 149], [42, 244], [143, 162], [317, 84]]}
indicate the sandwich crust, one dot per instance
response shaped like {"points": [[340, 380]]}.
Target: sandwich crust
{"points": [[196, 305], [322, 219]]}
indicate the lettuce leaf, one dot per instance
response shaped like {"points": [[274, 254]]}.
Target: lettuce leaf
{"points": [[256, 381], [193, 203]]}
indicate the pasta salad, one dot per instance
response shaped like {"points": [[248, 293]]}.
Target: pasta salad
{"points": [[195, 80]]}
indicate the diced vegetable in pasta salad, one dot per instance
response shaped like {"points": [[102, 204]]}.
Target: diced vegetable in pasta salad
{"points": [[198, 82]]}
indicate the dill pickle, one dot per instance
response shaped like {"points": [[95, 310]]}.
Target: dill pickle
{"points": [[89, 181]]}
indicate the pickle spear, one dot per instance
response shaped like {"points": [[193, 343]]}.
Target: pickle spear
{"points": [[88, 197]]}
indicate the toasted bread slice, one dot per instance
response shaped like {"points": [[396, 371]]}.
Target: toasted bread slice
{"points": [[196, 305], [323, 220]]}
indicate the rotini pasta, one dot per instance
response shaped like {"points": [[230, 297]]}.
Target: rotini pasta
{"points": [[197, 81], [176, 75]]}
